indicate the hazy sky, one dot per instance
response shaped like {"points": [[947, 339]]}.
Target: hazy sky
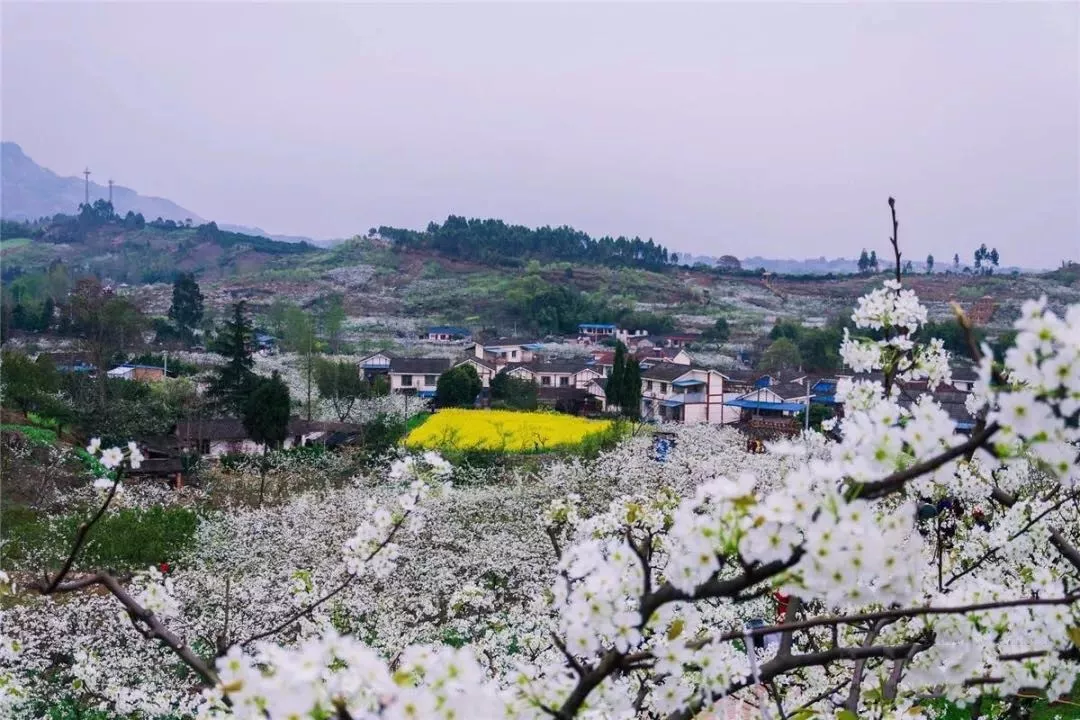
{"points": [[772, 129]]}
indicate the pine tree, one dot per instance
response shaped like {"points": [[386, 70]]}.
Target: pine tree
{"points": [[614, 387], [631, 389], [187, 304], [929, 264], [235, 379], [864, 261], [873, 260], [266, 411]]}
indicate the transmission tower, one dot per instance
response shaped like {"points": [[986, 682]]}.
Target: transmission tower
{"points": [[86, 174]]}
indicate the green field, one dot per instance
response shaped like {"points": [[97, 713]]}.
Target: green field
{"points": [[12, 243]]}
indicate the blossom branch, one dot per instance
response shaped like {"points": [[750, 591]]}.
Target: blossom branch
{"points": [[894, 482], [349, 578]]}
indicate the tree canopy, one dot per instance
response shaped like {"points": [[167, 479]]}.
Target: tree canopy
{"points": [[187, 304], [495, 241], [234, 380], [458, 387], [266, 411]]}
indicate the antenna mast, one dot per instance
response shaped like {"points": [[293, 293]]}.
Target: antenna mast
{"points": [[110, 190], [86, 174]]}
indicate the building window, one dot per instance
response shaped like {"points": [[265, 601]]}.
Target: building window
{"points": [[406, 381], [648, 385], [513, 354], [663, 387], [545, 380], [204, 447], [564, 381], [430, 380]]}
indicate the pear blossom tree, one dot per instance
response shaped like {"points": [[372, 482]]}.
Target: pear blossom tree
{"points": [[914, 563]]}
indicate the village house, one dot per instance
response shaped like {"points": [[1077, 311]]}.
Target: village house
{"points": [[447, 334], [484, 369], [679, 340], [216, 437], [683, 394], [560, 374], [604, 360], [141, 373], [503, 351], [375, 364], [416, 375], [591, 333]]}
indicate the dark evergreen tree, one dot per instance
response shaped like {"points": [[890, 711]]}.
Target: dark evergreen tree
{"points": [[234, 380], [458, 387], [187, 304], [613, 389], [929, 264], [47, 310], [631, 389], [864, 261], [266, 411]]}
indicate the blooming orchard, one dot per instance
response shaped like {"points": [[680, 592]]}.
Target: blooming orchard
{"points": [[918, 563]]}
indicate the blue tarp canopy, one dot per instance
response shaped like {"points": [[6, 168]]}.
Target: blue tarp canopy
{"points": [[687, 383], [426, 393], [596, 326], [671, 403], [761, 405], [824, 399]]}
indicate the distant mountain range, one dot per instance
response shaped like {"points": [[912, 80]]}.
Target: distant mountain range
{"points": [[29, 191]]}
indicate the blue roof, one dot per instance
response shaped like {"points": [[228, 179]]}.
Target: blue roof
{"points": [[671, 403], [597, 326], [761, 405], [449, 329], [426, 393], [143, 367], [824, 399]]}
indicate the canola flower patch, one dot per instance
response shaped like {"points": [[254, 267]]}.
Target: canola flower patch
{"points": [[503, 430]]}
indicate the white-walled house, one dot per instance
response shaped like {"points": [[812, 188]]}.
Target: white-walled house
{"points": [[484, 369], [774, 400], [416, 376], [504, 351], [589, 333], [377, 363], [556, 374], [681, 394], [447, 334]]}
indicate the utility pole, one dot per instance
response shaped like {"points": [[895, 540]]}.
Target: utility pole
{"points": [[110, 190], [805, 383], [86, 176]]}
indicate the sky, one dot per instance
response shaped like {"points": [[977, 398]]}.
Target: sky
{"points": [[769, 129]]}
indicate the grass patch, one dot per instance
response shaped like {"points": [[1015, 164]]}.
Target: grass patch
{"points": [[416, 421], [128, 539], [505, 431], [12, 243], [36, 435]]}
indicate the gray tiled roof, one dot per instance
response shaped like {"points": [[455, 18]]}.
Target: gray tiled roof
{"points": [[419, 365]]}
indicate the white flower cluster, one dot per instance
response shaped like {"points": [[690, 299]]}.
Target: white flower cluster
{"points": [[371, 550], [154, 591], [331, 674], [654, 573]]}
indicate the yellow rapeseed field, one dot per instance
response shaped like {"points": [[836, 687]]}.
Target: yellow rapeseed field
{"points": [[502, 430]]}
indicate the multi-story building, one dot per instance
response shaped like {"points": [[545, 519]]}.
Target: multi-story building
{"points": [[416, 376], [683, 394]]}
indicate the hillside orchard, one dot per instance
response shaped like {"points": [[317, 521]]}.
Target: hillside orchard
{"points": [[915, 565]]}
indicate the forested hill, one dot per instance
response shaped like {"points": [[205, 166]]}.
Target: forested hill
{"points": [[132, 249], [495, 242]]}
